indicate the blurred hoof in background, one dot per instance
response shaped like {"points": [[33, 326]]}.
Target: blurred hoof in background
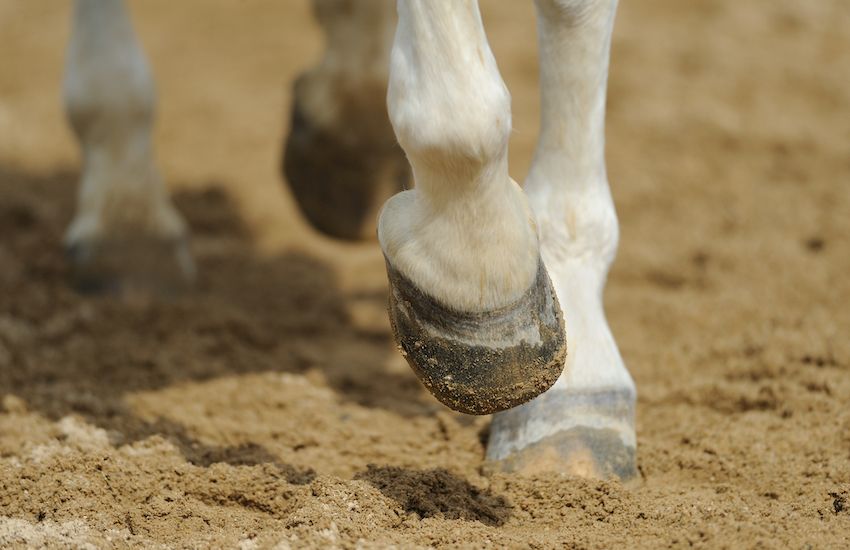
{"points": [[342, 167]]}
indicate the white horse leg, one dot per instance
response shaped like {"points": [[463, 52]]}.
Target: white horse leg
{"points": [[125, 232], [341, 158], [472, 307], [585, 423]]}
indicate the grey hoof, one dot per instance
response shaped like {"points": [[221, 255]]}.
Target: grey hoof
{"points": [[340, 176], [582, 451], [586, 434], [480, 363], [138, 266]]}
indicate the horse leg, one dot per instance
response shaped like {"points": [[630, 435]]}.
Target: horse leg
{"points": [[585, 424], [125, 234]]}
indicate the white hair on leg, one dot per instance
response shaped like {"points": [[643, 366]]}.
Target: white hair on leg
{"points": [[471, 305], [465, 234], [567, 185]]}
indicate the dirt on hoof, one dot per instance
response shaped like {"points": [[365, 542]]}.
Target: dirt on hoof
{"points": [[480, 362], [269, 407]]}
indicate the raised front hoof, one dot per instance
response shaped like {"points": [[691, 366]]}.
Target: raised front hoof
{"points": [[131, 267], [340, 176], [480, 363], [585, 434]]}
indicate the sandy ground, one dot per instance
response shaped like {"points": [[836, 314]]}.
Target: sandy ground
{"points": [[269, 406]]}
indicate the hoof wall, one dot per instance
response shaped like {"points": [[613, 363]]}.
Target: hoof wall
{"points": [[587, 434], [142, 266], [582, 451], [480, 363]]}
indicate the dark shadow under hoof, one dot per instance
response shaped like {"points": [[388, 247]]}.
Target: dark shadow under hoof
{"points": [[144, 266], [480, 363], [341, 175]]}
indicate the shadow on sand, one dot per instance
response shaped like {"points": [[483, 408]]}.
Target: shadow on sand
{"points": [[64, 353], [437, 493]]}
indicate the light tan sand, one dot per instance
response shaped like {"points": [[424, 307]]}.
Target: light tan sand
{"points": [[270, 408]]}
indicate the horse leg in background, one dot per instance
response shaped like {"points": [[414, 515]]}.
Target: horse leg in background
{"points": [[126, 234], [341, 159]]}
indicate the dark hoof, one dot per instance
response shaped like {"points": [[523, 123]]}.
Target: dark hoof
{"points": [[480, 363], [341, 175], [140, 266]]}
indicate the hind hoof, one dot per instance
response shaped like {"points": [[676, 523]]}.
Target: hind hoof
{"points": [[480, 363], [342, 174]]}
